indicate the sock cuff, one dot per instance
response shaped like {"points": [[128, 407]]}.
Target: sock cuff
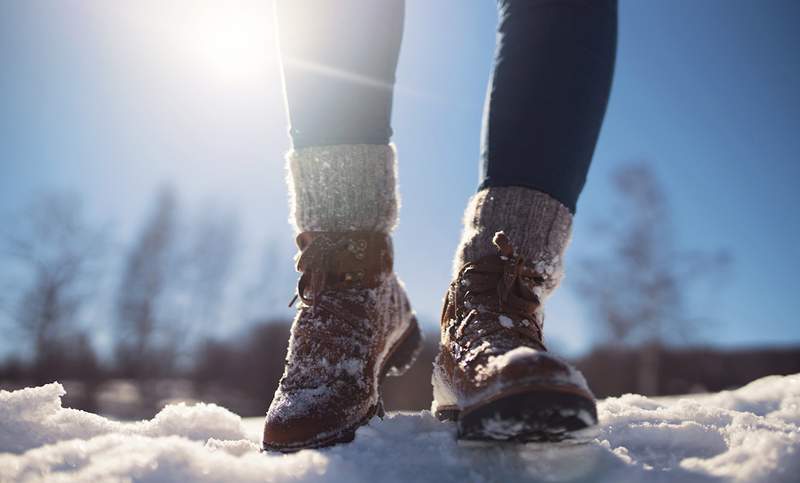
{"points": [[538, 226], [348, 187]]}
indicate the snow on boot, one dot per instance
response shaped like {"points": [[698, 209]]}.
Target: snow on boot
{"points": [[493, 374], [355, 326]]}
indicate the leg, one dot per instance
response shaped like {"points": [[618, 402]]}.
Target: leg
{"points": [[339, 60], [548, 94], [544, 108], [354, 324]]}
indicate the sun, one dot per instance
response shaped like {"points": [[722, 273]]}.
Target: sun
{"points": [[231, 40]]}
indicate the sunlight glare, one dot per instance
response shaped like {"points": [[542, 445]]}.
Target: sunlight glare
{"points": [[233, 43]]}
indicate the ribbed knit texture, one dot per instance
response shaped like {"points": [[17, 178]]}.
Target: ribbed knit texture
{"points": [[343, 188], [538, 226]]}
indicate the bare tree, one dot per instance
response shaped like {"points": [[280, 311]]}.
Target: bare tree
{"points": [[207, 254], [140, 349], [172, 286], [59, 255], [638, 288]]}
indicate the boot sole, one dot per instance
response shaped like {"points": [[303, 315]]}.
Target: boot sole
{"points": [[531, 414], [400, 358]]}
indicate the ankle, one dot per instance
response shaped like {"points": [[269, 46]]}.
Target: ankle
{"points": [[538, 226], [343, 188]]}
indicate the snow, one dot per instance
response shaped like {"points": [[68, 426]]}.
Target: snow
{"points": [[506, 321], [750, 434], [519, 354]]}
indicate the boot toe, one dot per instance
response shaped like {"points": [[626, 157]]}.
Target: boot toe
{"points": [[296, 421], [294, 433], [525, 366]]}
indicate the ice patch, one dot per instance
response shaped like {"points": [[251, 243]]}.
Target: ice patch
{"points": [[747, 435]]}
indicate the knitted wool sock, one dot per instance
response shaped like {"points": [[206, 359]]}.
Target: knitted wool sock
{"points": [[349, 187], [538, 226]]}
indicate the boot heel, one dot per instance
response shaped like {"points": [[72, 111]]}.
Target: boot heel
{"points": [[406, 351]]}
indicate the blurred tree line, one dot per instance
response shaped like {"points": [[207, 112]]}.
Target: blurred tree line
{"points": [[169, 287]]}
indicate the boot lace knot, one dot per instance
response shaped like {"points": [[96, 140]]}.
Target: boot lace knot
{"points": [[505, 285], [343, 260]]}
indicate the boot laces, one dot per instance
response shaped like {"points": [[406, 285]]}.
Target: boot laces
{"points": [[316, 264], [504, 284]]}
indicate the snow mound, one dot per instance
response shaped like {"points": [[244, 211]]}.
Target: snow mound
{"points": [[750, 434]]}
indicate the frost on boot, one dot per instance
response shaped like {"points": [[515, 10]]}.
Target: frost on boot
{"points": [[493, 374], [354, 327]]}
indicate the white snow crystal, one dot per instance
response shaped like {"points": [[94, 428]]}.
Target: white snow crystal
{"points": [[514, 355], [506, 321], [519, 355], [352, 366], [750, 434]]}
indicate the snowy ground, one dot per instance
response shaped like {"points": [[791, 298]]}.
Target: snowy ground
{"points": [[750, 434]]}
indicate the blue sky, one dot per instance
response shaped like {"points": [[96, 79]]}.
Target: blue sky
{"points": [[112, 99]]}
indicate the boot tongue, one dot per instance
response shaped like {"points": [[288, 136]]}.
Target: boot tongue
{"points": [[355, 259], [513, 285]]}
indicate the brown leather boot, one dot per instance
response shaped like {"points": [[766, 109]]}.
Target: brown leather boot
{"points": [[354, 327], [493, 374]]}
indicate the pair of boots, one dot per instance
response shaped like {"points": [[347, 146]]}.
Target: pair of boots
{"points": [[355, 326]]}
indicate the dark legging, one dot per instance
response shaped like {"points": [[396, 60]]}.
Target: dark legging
{"points": [[546, 99]]}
